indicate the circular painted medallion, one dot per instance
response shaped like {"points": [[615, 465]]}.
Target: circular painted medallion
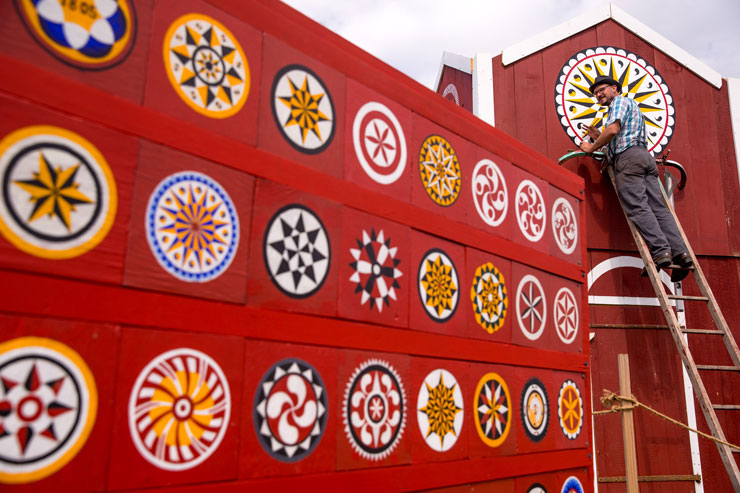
{"points": [[535, 410], [374, 410], [48, 406], [564, 225], [380, 145], [87, 34], [439, 286], [572, 485], [492, 405], [59, 196], [192, 226], [488, 294], [297, 251], [536, 488], [577, 107], [530, 211], [531, 307], [450, 92], [179, 409], [489, 192], [570, 409], [439, 170], [565, 313], [440, 410], [375, 269], [206, 65], [303, 109], [290, 410]]}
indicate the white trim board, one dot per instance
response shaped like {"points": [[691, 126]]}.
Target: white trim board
{"points": [[602, 13], [483, 88], [733, 93], [453, 60]]}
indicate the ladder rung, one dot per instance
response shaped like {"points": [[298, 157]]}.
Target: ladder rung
{"points": [[718, 367], [687, 298], [702, 331], [626, 326], [726, 407]]}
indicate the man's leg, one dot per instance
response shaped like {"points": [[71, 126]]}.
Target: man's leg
{"points": [[662, 214], [630, 175]]}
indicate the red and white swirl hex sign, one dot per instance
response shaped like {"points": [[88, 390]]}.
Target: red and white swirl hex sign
{"points": [[489, 192], [564, 226], [530, 211]]}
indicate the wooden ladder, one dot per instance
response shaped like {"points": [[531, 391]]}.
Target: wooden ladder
{"points": [[677, 331]]}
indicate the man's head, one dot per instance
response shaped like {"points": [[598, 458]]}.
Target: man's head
{"points": [[605, 89]]}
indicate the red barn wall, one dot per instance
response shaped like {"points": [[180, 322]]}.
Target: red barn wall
{"points": [[117, 334], [708, 210], [457, 86]]}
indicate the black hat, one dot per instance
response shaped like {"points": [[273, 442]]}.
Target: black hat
{"points": [[605, 79]]}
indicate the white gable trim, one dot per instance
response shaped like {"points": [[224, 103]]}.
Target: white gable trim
{"points": [[453, 60], [483, 88], [733, 92], [555, 34], [590, 19]]}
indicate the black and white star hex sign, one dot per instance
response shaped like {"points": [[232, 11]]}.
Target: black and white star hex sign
{"points": [[375, 268], [297, 251]]}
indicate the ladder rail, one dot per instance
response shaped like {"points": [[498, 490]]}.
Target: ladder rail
{"points": [[687, 358], [706, 291]]}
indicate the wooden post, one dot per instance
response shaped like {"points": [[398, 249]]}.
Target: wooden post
{"points": [[628, 426]]}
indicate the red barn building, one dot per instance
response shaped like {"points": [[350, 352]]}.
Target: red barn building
{"points": [[237, 252], [534, 92]]}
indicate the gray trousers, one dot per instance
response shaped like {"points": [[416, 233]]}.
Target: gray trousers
{"points": [[636, 177]]}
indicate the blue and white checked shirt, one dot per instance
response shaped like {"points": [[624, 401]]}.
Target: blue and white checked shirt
{"points": [[633, 126]]}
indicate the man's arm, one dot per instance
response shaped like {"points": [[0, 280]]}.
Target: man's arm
{"points": [[606, 136]]}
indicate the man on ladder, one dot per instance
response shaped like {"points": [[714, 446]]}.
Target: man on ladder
{"points": [[636, 175]]}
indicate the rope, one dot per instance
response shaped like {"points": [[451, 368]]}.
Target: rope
{"points": [[618, 403]]}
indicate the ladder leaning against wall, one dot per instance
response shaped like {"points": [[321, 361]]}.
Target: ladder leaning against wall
{"points": [[678, 330]]}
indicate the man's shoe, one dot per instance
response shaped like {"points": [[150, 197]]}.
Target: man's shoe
{"points": [[684, 260], [662, 261]]}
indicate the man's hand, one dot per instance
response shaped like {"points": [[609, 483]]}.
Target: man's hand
{"points": [[591, 132], [586, 147]]}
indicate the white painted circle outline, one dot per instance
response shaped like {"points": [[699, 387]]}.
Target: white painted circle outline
{"points": [[356, 139]]}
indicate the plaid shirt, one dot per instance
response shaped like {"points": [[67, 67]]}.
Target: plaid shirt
{"points": [[633, 126]]}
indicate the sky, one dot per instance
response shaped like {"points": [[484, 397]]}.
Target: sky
{"points": [[411, 35]]}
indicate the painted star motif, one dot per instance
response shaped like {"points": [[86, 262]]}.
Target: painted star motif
{"points": [[490, 297], [382, 142], [531, 301], [572, 404], [298, 251], [493, 407], [194, 226], [439, 285], [54, 192], [441, 410], [593, 114], [441, 172], [32, 409], [304, 109]]}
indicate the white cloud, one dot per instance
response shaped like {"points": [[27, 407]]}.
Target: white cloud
{"points": [[411, 35]]}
